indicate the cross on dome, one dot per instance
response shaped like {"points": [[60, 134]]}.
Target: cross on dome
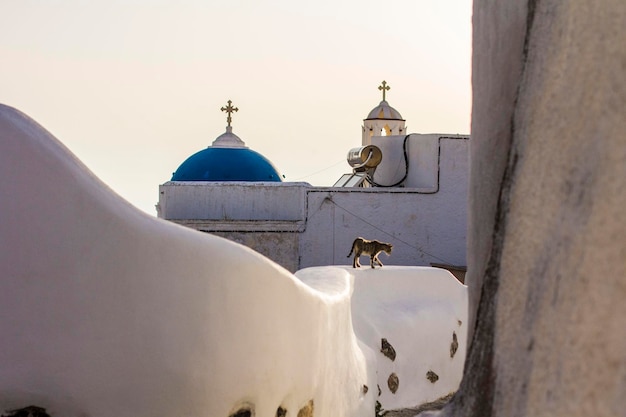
{"points": [[228, 139], [384, 88], [229, 109]]}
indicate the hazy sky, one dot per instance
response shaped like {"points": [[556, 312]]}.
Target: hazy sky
{"points": [[134, 87]]}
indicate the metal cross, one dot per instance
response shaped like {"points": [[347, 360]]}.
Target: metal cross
{"points": [[384, 88], [229, 109]]}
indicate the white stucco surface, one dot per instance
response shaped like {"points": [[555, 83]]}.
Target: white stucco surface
{"points": [[426, 221], [417, 310], [233, 200], [429, 156], [106, 311]]}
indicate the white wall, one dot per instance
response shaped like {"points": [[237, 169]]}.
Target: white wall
{"points": [[106, 311], [421, 228], [426, 224], [428, 155], [232, 201], [418, 310]]}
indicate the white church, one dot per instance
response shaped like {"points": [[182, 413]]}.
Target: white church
{"points": [[409, 190]]}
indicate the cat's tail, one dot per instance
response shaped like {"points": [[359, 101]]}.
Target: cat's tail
{"points": [[351, 249]]}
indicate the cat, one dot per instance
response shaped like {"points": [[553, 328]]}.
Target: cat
{"points": [[372, 248]]}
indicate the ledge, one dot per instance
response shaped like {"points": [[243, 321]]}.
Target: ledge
{"points": [[244, 225]]}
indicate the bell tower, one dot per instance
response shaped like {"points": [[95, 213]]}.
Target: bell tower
{"points": [[383, 120]]}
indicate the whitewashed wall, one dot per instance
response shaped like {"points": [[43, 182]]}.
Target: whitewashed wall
{"points": [[107, 311], [232, 200], [299, 226]]}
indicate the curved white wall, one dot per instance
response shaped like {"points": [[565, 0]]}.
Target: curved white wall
{"points": [[106, 311]]}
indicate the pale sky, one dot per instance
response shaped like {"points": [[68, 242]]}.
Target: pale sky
{"points": [[134, 87]]}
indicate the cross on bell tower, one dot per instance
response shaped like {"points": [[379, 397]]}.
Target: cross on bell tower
{"points": [[384, 88], [229, 109]]}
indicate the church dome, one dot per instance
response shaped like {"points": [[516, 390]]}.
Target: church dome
{"points": [[227, 159], [384, 111], [227, 164]]}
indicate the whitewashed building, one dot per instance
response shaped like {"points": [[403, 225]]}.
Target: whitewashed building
{"points": [[414, 198], [107, 311]]}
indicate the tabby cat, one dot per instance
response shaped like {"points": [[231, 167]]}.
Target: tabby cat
{"points": [[372, 248]]}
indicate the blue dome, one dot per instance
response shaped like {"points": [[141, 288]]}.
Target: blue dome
{"points": [[227, 164]]}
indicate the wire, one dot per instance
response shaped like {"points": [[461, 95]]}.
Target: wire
{"points": [[370, 178], [321, 170]]}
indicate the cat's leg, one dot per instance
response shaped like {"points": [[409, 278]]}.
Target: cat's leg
{"points": [[378, 260], [372, 261], [355, 261]]}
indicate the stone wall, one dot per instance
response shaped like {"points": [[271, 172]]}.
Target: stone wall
{"points": [[547, 249], [281, 247]]}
